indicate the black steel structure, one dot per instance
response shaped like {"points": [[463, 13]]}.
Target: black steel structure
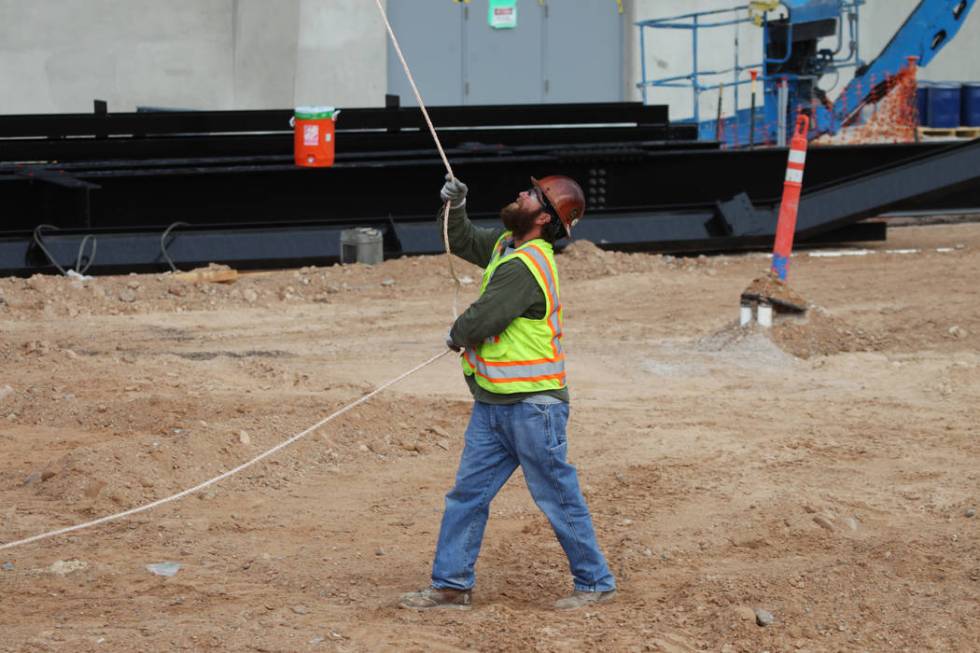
{"points": [[221, 186]]}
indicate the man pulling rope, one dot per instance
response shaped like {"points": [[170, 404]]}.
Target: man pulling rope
{"points": [[514, 364]]}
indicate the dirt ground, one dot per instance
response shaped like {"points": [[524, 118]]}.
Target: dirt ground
{"points": [[827, 474]]}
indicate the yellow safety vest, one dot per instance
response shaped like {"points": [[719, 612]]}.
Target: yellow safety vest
{"points": [[527, 356]]}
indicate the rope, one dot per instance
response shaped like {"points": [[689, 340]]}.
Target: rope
{"points": [[40, 244], [445, 161], [38, 240], [415, 89], [457, 284], [81, 254], [163, 244], [230, 472], [301, 434]]}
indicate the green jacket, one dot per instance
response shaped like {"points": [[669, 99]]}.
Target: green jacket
{"points": [[512, 292]]}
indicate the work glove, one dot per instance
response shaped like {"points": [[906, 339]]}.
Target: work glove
{"points": [[454, 192], [449, 338]]}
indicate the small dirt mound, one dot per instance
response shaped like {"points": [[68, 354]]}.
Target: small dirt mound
{"points": [[583, 250], [817, 333], [769, 287], [584, 259]]}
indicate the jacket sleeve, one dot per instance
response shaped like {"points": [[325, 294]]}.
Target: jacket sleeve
{"points": [[511, 293], [469, 242]]}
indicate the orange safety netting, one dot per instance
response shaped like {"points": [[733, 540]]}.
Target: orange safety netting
{"points": [[889, 114]]}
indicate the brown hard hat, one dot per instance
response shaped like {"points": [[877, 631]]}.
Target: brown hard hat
{"points": [[565, 198]]}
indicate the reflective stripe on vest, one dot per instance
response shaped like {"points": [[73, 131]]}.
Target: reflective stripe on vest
{"points": [[534, 254], [542, 369], [515, 371]]}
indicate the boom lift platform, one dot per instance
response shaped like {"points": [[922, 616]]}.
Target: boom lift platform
{"points": [[792, 34]]}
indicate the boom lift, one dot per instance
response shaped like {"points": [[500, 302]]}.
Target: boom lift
{"points": [[793, 32]]}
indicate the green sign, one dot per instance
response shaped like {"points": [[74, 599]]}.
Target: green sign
{"points": [[502, 14]]}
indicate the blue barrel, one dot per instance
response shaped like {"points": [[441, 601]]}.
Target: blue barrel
{"points": [[970, 105], [922, 102], [943, 109]]}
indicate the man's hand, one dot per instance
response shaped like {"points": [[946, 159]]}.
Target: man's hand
{"points": [[454, 192], [452, 345]]}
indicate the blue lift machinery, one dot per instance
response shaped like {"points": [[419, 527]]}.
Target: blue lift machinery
{"points": [[794, 63]]}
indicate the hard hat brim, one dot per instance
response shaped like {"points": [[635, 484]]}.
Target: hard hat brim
{"points": [[567, 227]]}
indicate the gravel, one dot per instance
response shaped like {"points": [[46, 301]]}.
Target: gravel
{"points": [[764, 618]]}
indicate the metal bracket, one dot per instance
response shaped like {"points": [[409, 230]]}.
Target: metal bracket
{"points": [[738, 217]]}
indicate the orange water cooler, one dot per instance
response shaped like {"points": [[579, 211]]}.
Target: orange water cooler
{"points": [[313, 136]]}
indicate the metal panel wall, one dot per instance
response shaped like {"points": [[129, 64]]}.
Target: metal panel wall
{"points": [[430, 33], [504, 66], [560, 51], [583, 54]]}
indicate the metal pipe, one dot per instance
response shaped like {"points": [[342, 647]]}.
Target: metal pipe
{"points": [[744, 313], [840, 37], [643, 64], [694, 72], [735, 90], [789, 47], [704, 25], [783, 102], [857, 34], [653, 22], [764, 315], [718, 132]]}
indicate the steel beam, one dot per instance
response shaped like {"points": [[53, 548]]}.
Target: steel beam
{"points": [[647, 193]]}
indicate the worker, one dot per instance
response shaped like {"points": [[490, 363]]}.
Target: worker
{"points": [[514, 364]]}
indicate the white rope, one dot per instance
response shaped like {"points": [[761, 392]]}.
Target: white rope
{"points": [[286, 443], [457, 284], [224, 475], [442, 154], [415, 89]]}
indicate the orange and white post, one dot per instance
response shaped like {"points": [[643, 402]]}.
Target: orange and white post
{"points": [[789, 207]]}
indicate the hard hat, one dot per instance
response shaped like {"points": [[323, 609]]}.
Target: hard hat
{"points": [[564, 198]]}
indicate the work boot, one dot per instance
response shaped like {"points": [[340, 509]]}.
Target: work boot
{"points": [[581, 599], [433, 597]]}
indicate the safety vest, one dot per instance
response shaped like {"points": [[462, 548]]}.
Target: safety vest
{"points": [[527, 356]]}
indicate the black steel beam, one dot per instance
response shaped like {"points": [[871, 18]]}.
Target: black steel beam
{"points": [[627, 178], [209, 145], [172, 123], [238, 190], [265, 247], [953, 170], [121, 252]]}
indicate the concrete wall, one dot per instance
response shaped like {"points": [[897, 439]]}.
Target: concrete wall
{"points": [[669, 54], [58, 55]]}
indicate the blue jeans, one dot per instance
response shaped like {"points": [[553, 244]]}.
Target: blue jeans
{"points": [[498, 439]]}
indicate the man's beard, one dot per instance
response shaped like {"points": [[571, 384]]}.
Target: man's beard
{"points": [[517, 220]]}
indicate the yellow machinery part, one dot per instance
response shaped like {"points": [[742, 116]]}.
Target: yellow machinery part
{"points": [[758, 9]]}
